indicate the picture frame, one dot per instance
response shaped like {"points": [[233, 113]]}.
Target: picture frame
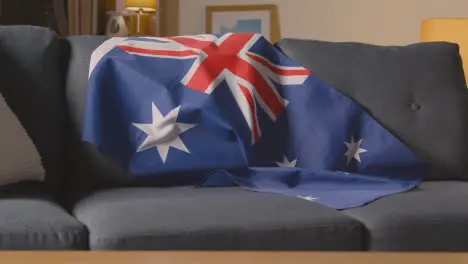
{"points": [[262, 19]]}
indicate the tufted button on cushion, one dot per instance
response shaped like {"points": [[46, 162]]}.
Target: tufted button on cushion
{"points": [[385, 80], [415, 107]]}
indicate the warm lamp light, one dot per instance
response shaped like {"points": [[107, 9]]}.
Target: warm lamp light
{"points": [[453, 30], [140, 6]]}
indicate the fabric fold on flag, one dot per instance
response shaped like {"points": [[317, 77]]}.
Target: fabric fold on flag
{"points": [[353, 190], [232, 110]]}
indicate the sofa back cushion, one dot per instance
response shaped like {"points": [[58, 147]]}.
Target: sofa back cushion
{"points": [[31, 83], [19, 159], [418, 92], [88, 168]]}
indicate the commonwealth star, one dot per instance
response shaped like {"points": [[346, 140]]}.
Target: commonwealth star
{"points": [[164, 132]]}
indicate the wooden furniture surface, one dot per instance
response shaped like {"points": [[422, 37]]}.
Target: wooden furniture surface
{"points": [[219, 257]]}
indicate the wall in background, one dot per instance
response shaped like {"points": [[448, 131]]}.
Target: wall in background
{"points": [[395, 22]]}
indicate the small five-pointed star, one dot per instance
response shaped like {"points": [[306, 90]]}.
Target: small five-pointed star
{"points": [[354, 149], [164, 132], [286, 163]]}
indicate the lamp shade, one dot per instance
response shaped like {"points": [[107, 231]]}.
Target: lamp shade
{"points": [[143, 5], [453, 30]]}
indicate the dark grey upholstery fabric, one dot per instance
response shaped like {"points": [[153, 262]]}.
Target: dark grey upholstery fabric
{"points": [[29, 220], [88, 169], [80, 49], [212, 218], [433, 217], [417, 92], [31, 83]]}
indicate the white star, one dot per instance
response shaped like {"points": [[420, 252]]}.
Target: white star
{"points": [[286, 163], [164, 132], [308, 198], [354, 149]]}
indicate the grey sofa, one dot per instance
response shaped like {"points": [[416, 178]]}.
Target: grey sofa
{"points": [[418, 92]]}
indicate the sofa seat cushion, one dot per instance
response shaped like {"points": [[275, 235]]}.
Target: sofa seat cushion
{"points": [[29, 220], [212, 218], [433, 217]]}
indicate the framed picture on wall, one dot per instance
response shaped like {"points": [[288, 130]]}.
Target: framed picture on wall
{"points": [[261, 19]]}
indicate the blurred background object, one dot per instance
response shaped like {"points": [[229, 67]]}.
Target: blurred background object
{"points": [[117, 24], [95, 17], [87, 17], [164, 23], [47, 13], [143, 21]]}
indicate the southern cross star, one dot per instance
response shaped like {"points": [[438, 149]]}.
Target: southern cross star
{"points": [[164, 132], [286, 163], [354, 149]]}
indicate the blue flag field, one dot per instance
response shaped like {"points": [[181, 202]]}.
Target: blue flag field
{"points": [[232, 110]]}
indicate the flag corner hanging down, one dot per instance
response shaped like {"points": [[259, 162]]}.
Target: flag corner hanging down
{"points": [[230, 109]]}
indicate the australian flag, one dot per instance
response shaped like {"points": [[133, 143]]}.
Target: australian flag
{"points": [[231, 109]]}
